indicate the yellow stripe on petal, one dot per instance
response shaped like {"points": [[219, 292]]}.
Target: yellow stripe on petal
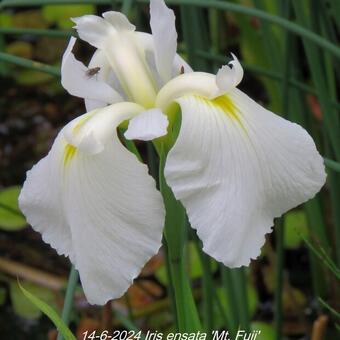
{"points": [[69, 153], [225, 104]]}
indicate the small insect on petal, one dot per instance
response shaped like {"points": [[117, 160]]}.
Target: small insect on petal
{"points": [[92, 71]]}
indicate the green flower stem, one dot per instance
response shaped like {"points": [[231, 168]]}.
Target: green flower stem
{"points": [[170, 285], [175, 233], [278, 317], [239, 282], [208, 289], [233, 317], [68, 302], [208, 286]]}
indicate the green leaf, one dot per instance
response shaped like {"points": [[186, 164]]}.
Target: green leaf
{"points": [[295, 226], [25, 308], [61, 14], [31, 78], [6, 20], [267, 330], [230, 309], [49, 312], [195, 264], [10, 215], [161, 275]]}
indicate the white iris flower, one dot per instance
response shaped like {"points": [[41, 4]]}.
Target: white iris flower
{"points": [[235, 166]]}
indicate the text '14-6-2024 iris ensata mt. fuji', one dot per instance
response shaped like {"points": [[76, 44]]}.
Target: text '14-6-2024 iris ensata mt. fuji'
{"points": [[234, 165]]}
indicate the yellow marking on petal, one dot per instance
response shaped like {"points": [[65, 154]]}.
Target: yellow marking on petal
{"points": [[225, 104], [69, 153], [83, 120]]}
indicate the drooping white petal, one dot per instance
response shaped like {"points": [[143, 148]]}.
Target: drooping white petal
{"points": [[116, 218], [229, 77], [106, 197], [235, 167], [147, 125], [75, 79], [42, 207], [162, 22]]}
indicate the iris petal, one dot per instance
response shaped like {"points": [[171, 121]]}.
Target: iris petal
{"points": [[97, 205], [75, 79], [235, 167], [164, 35]]}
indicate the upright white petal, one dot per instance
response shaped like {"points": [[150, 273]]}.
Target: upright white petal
{"points": [[119, 21], [235, 167], [108, 207], [75, 79], [229, 77], [164, 34], [179, 65], [147, 125], [93, 29]]}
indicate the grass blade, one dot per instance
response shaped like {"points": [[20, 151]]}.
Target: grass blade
{"points": [[50, 312]]}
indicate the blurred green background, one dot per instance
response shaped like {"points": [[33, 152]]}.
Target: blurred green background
{"points": [[291, 55]]}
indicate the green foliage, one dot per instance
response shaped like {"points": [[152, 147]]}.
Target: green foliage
{"points": [[6, 20], [267, 330], [11, 218], [60, 15], [32, 78], [48, 311], [295, 226], [24, 307], [229, 308]]}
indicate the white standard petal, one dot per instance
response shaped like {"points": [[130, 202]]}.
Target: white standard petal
{"points": [[229, 77], [164, 34], [107, 205], [97, 31], [78, 82], [235, 167], [93, 29], [179, 65], [148, 125], [119, 21]]}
